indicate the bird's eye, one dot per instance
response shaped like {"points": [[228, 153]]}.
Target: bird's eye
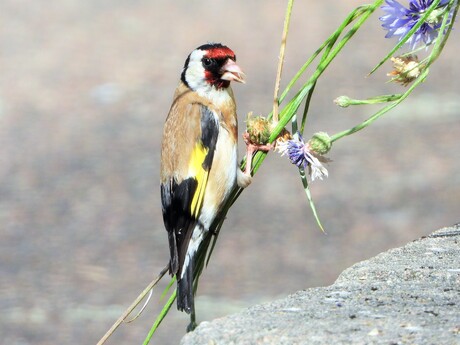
{"points": [[207, 62]]}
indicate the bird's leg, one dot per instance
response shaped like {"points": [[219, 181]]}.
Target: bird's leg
{"points": [[192, 325], [251, 148]]}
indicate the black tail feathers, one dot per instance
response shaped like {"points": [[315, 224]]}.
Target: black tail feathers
{"points": [[185, 290]]}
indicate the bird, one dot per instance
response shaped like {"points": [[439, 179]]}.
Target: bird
{"points": [[199, 165]]}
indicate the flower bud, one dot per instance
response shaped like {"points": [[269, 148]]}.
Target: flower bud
{"points": [[343, 101], [320, 143]]}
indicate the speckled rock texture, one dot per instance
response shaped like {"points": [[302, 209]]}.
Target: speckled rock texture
{"points": [[407, 295]]}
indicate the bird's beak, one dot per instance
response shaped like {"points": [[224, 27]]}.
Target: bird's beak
{"points": [[232, 72]]}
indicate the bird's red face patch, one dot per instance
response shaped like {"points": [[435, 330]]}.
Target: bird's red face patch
{"points": [[220, 53], [214, 79]]}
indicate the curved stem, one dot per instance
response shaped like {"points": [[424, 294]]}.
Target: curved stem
{"points": [[130, 309]]}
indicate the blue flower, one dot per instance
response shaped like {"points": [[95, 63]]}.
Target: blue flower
{"points": [[399, 20], [301, 155]]}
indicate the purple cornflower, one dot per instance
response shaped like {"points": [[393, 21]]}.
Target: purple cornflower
{"points": [[301, 154], [399, 20]]}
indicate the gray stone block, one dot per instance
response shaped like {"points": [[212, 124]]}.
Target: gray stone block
{"points": [[407, 295]]}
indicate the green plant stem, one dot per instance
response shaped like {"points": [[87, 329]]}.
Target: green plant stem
{"points": [[439, 44], [384, 110], [329, 42], [160, 317], [307, 107], [361, 13], [372, 100], [290, 109]]}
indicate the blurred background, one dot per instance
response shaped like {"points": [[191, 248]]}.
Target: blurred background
{"points": [[85, 87]]}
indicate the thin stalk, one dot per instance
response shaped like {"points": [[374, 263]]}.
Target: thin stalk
{"points": [[290, 109], [384, 110], [356, 13], [344, 101], [130, 309], [287, 20]]}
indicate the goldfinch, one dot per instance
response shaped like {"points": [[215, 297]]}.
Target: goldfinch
{"points": [[199, 166]]}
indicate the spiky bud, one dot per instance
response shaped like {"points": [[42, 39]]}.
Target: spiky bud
{"points": [[259, 129], [406, 69]]}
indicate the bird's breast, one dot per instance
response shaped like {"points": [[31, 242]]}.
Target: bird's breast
{"points": [[222, 176]]}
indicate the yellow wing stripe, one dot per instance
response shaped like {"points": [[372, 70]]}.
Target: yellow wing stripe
{"points": [[201, 175]]}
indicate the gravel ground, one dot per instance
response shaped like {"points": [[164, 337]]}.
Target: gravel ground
{"points": [[84, 90]]}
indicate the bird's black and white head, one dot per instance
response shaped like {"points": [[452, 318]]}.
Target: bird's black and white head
{"points": [[211, 67]]}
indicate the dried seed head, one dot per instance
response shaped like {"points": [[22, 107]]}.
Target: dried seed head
{"points": [[406, 69], [259, 129]]}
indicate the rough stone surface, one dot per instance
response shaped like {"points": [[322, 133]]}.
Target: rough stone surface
{"points": [[407, 295]]}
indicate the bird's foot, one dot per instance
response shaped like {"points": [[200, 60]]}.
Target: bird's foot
{"points": [[243, 179], [191, 326], [252, 148]]}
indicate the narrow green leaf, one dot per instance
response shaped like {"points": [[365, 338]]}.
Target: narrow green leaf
{"points": [[160, 317], [330, 41], [306, 187], [307, 107], [291, 108], [295, 127], [171, 282]]}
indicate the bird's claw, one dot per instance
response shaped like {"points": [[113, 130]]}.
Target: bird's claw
{"points": [[191, 326], [252, 148]]}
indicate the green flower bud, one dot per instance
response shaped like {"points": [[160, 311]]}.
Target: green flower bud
{"points": [[343, 101], [320, 143]]}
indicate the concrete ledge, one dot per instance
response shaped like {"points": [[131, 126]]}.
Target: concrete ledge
{"points": [[407, 295]]}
